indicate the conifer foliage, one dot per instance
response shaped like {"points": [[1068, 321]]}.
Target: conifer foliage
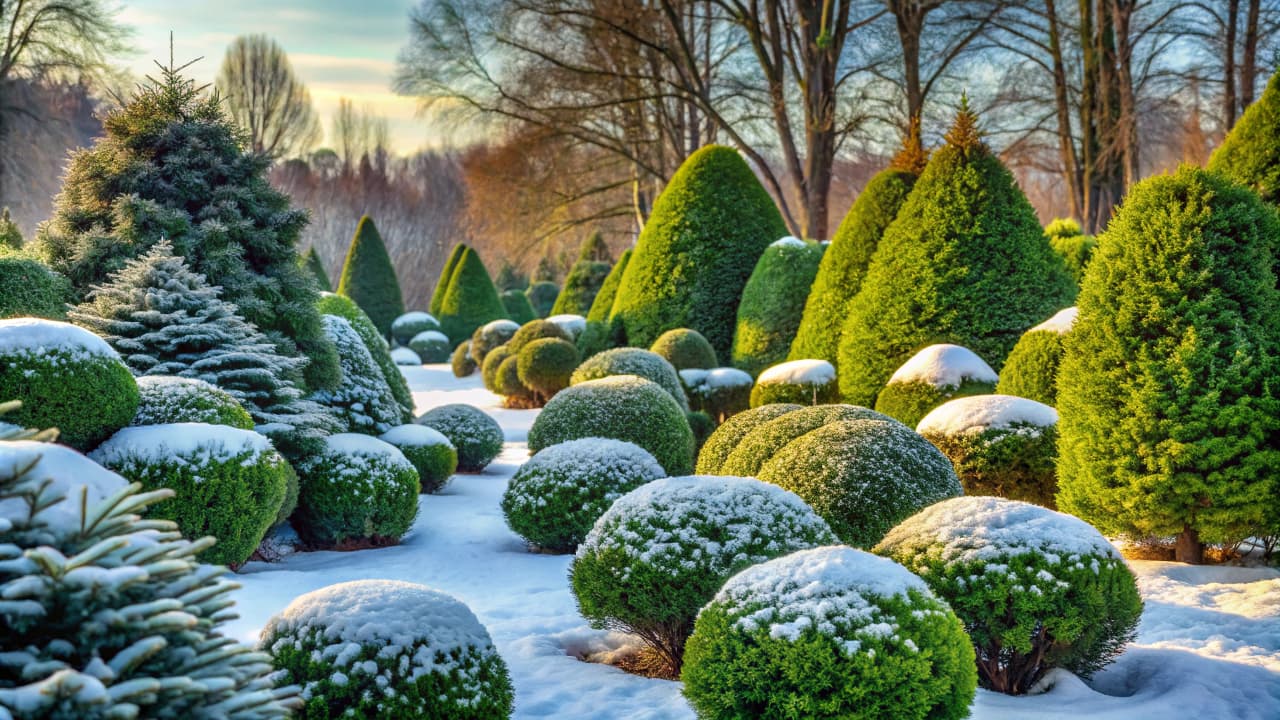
{"points": [[1250, 153], [369, 279], [585, 278], [446, 275], [470, 301], [773, 302], [311, 261]]}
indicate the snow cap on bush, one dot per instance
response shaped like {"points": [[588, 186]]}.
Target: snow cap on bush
{"points": [[931, 377], [409, 324], [633, 361], [356, 490], [1032, 368], [805, 382], [573, 325], [364, 401], [405, 356], [491, 335], [476, 436], [167, 399], [431, 453], [719, 392]]}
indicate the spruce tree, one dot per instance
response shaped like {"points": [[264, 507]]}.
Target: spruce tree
{"points": [[1167, 395], [471, 300], [696, 252], [364, 401], [171, 164], [369, 279], [379, 350], [772, 303], [845, 263], [1250, 153], [965, 262], [446, 275], [311, 261], [10, 236]]}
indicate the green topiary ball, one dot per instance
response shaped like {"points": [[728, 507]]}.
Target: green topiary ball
{"points": [[720, 392], [1035, 589], [165, 399], [684, 349], [545, 366], [633, 361], [489, 368], [476, 436], [228, 482], [357, 491], [555, 497], [934, 375], [515, 393], [542, 297], [461, 362], [432, 346], [409, 324], [431, 453], [622, 407], [29, 288], [536, 330], [66, 378], [405, 356], [1032, 368], [661, 552], [388, 649], [828, 633], [863, 476], [758, 446], [804, 382], [730, 433], [491, 335]]}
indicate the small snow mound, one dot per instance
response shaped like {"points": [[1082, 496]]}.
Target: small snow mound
{"points": [[405, 356], [944, 365], [504, 325], [592, 455], [365, 446], [414, 436], [799, 372], [430, 336], [978, 413], [67, 470], [572, 324], [33, 336], [198, 442], [790, 241], [412, 318], [1060, 323], [693, 377], [728, 377]]}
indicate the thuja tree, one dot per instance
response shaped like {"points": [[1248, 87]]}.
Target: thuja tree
{"points": [[171, 164], [470, 301], [311, 261], [1167, 395], [369, 278], [446, 275], [1250, 153]]}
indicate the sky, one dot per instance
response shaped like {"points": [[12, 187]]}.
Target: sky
{"points": [[339, 48]]}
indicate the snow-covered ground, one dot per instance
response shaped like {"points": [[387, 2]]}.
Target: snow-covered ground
{"points": [[1208, 647]]}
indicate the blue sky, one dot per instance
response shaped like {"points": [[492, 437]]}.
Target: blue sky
{"points": [[339, 48]]}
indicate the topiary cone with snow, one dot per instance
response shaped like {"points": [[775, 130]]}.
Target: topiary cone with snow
{"points": [[369, 278], [345, 308], [773, 302], [364, 402], [806, 382], [470, 300], [931, 377], [1032, 368]]}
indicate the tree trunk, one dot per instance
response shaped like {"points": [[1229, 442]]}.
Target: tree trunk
{"points": [[1066, 144], [1189, 549], [1229, 65], [1088, 121], [1249, 59], [1127, 135], [910, 20]]}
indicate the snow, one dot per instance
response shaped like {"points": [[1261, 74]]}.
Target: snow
{"points": [[789, 241], [727, 377], [1208, 646], [799, 372], [1060, 323], [504, 325], [978, 413], [415, 317], [365, 446], [414, 436], [430, 336], [33, 336], [405, 356], [944, 366], [572, 324], [199, 444], [68, 472]]}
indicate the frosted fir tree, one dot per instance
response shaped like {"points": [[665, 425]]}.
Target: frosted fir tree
{"points": [[364, 401], [164, 319], [108, 614]]}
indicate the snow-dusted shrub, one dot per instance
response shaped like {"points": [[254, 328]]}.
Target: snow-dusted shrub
{"points": [[934, 375], [405, 356], [759, 445], [622, 407], [685, 349], [108, 614], [828, 633], [661, 552], [364, 401], [461, 362], [227, 483], [571, 324], [544, 366], [507, 383], [375, 341], [167, 399], [555, 497], [409, 324], [1032, 368], [476, 436], [726, 437], [431, 453], [804, 382], [536, 330], [719, 392], [863, 476], [388, 649], [431, 345], [633, 361], [29, 288], [1000, 445], [357, 490], [491, 335], [489, 368], [1035, 589], [66, 378]]}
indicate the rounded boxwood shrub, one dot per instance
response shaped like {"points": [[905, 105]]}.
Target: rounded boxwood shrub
{"points": [[227, 482], [491, 335], [357, 491], [633, 361], [517, 306], [660, 553], [409, 324], [1000, 445], [863, 476], [804, 382], [542, 297], [461, 362], [555, 497], [828, 633], [1035, 589], [545, 366], [759, 445], [1032, 368], [684, 349], [492, 362], [572, 325], [407, 357], [66, 378], [369, 278], [470, 300], [722, 442], [934, 375], [432, 346], [536, 330], [388, 649], [164, 399], [719, 392], [515, 393], [622, 407], [476, 436], [431, 453], [29, 288], [773, 303]]}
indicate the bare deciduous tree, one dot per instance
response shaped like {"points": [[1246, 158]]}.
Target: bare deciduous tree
{"points": [[264, 96]]}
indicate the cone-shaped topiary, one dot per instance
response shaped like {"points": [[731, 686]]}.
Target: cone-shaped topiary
{"points": [[311, 261], [172, 164], [29, 288], [10, 235], [364, 402], [965, 262], [369, 278], [601, 333], [517, 306], [470, 301], [542, 296], [685, 349], [772, 303], [1032, 368], [446, 276], [1170, 422], [707, 230], [1250, 153], [844, 264], [595, 249], [1068, 240], [585, 278], [346, 308], [602, 306]]}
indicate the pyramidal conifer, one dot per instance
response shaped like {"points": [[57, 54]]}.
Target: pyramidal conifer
{"points": [[369, 279]]}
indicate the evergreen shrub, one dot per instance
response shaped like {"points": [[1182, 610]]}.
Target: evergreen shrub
{"points": [[357, 491], [476, 436]]}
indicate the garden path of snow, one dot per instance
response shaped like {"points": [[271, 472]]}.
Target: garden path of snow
{"points": [[1208, 646]]}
